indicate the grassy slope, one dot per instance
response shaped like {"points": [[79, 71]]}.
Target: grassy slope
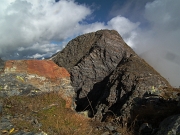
{"points": [[50, 115], [48, 110]]}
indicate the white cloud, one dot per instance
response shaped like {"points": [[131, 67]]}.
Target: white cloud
{"points": [[124, 26], [24, 23], [94, 27], [37, 56]]}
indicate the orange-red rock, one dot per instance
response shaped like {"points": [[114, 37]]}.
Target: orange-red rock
{"points": [[44, 75], [44, 68]]}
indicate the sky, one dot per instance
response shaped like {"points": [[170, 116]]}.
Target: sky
{"points": [[35, 29]]}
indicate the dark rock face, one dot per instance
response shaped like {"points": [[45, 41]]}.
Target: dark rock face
{"points": [[75, 50], [101, 59], [108, 76], [170, 126], [132, 84], [1, 65]]}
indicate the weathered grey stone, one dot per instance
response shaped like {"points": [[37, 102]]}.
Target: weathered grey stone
{"points": [[10, 86], [5, 124], [170, 126]]}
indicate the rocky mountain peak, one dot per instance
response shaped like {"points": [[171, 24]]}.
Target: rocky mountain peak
{"points": [[79, 47], [108, 76]]}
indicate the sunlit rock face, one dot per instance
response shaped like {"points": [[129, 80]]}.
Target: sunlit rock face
{"points": [[35, 77]]}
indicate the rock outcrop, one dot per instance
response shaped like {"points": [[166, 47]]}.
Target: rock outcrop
{"points": [[110, 79], [170, 126], [1, 65], [29, 77]]}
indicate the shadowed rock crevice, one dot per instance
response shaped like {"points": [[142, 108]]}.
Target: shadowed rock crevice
{"points": [[90, 101]]}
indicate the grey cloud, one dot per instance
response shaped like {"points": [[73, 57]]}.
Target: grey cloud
{"points": [[132, 9], [159, 44]]}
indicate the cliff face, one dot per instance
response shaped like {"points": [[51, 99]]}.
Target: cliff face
{"points": [[34, 77], [108, 76]]}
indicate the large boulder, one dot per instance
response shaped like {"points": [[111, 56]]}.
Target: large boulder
{"points": [[109, 78], [29, 77]]}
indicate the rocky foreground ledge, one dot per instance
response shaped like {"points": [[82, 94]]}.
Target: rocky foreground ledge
{"points": [[99, 74]]}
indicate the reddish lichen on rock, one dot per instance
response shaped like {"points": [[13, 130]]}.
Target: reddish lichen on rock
{"points": [[43, 75], [43, 68]]}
